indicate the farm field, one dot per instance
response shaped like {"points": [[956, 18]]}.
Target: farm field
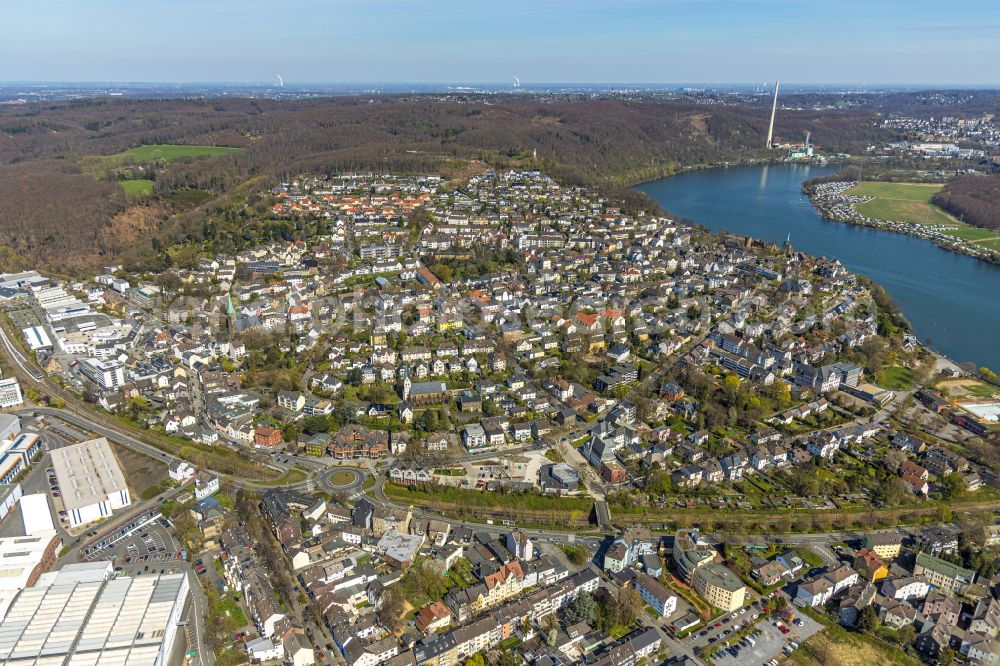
{"points": [[902, 191], [911, 202], [161, 152], [901, 202], [898, 210]]}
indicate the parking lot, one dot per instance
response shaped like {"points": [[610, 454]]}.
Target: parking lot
{"points": [[767, 643], [151, 549], [770, 644]]}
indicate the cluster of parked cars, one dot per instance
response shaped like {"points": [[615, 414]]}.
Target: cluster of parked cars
{"points": [[53, 482], [199, 566], [757, 609], [154, 557], [746, 642]]}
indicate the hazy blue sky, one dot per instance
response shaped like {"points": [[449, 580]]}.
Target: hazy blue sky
{"points": [[444, 41]]}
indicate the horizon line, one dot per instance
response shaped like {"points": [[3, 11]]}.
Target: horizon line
{"points": [[521, 86]]}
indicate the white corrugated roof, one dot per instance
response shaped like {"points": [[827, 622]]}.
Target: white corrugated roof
{"points": [[87, 473], [121, 621]]}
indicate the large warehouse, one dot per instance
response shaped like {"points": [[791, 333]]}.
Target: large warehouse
{"points": [[25, 558], [78, 618], [91, 481]]}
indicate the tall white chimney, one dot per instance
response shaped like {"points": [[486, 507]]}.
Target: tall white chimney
{"points": [[774, 109]]}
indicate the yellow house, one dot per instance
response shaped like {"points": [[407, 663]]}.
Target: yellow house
{"points": [[870, 565], [884, 544]]}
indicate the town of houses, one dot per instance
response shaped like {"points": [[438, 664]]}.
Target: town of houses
{"points": [[581, 344]]}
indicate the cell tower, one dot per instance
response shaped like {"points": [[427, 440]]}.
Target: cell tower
{"points": [[774, 109]]}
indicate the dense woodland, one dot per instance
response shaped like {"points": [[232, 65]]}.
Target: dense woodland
{"points": [[57, 215], [974, 198]]}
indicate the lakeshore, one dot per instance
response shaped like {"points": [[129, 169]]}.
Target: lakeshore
{"points": [[837, 203], [942, 293]]}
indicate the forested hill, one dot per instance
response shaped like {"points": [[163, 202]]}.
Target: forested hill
{"points": [[61, 206], [975, 198]]}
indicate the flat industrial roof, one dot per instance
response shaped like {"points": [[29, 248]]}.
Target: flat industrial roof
{"points": [[19, 556], [120, 621], [35, 514], [36, 337], [87, 473]]}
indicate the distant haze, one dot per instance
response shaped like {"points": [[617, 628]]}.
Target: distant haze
{"points": [[914, 42]]}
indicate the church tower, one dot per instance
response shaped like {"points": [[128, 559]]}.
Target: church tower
{"points": [[404, 385]]}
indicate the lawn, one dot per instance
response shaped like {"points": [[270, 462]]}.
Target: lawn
{"points": [[983, 390], [509, 642], [232, 610], [993, 242], [973, 234], [619, 631], [896, 377], [137, 188], [341, 478], [808, 556], [290, 477]]}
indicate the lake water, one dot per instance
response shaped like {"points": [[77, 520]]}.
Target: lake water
{"points": [[951, 299]]}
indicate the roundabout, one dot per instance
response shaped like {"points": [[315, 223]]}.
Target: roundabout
{"points": [[342, 480]]}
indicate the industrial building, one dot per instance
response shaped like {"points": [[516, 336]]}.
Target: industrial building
{"points": [[78, 616], [25, 558], [16, 455], [10, 425], [91, 481], [9, 496], [10, 393], [37, 338]]}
